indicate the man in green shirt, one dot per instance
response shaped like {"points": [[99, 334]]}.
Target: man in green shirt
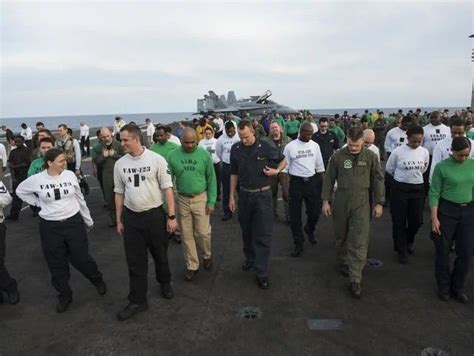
{"points": [[162, 146], [37, 165], [292, 127], [281, 121], [341, 136], [193, 170]]}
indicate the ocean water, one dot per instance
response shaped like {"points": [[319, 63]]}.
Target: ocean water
{"points": [[95, 121]]}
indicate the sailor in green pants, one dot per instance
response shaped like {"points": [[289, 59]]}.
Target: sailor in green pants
{"points": [[358, 172]]}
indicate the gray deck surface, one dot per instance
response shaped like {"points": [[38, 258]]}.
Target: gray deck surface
{"points": [[399, 313]]}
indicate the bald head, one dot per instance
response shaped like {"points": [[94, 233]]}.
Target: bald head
{"points": [[369, 137], [189, 139], [106, 135]]}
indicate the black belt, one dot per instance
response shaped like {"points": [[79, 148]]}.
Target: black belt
{"points": [[191, 195], [303, 179], [255, 190], [129, 211], [457, 205]]}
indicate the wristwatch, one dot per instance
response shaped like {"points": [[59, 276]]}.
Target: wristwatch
{"points": [[171, 217]]}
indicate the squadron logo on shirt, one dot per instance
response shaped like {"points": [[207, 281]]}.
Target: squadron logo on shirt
{"points": [[304, 154], [189, 164], [347, 164], [133, 175], [413, 165], [56, 189]]}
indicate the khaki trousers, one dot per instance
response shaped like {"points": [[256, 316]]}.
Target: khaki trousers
{"points": [[195, 228]]}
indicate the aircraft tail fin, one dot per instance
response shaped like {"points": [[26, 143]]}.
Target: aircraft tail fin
{"points": [[217, 102], [231, 99]]}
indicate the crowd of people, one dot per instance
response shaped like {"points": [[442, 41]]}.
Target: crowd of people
{"points": [[158, 186]]}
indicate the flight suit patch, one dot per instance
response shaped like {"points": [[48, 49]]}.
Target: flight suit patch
{"points": [[362, 163], [347, 164]]}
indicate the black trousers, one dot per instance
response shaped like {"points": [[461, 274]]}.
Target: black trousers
{"points": [[85, 145], [217, 169], [66, 242], [20, 176], [307, 190], [145, 232], [457, 224], [256, 221], [406, 208], [388, 182], [426, 178], [225, 177], [7, 283]]}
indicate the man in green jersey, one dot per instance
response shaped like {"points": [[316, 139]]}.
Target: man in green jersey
{"points": [[333, 127], [292, 127], [192, 168], [45, 144], [162, 146]]}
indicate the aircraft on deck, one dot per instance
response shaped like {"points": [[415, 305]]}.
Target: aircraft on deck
{"points": [[256, 105]]}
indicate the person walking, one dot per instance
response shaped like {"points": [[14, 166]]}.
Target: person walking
{"points": [[85, 142], [452, 218], [107, 155], [406, 165], [7, 283], [305, 168], [27, 135], [279, 141], [223, 148], [193, 169], [141, 181], [209, 144], [64, 216], [326, 140], [358, 173], [253, 162]]}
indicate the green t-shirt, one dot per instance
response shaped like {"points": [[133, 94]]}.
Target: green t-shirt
{"points": [[36, 166], [452, 181], [164, 149], [194, 173], [470, 134], [292, 127], [95, 150], [341, 137], [281, 121]]}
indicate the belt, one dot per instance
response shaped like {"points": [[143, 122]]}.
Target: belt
{"points": [[256, 190], [304, 179], [138, 213], [191, 195], [459, 205]]}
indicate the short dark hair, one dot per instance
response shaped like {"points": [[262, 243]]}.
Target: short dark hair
{"points": [[228, 125], [46, 131], [434, 114], [50, 156], [457, 121], [23, 125], [168, 129], [64, 126], [160, 127], [323, 119], [69, 131], [337, 116], [407, 119], [245, 123], [415, 130], [355, 133], [39, 123], [47, 139], [133, 130], [19, 136], [460, 143]]}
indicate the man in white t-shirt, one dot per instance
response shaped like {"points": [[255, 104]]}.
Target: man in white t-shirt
{"points": [[85, 142], [3, 159], [209, 144], [141, 183], [150, 131], [219, 123], [305, 167]]}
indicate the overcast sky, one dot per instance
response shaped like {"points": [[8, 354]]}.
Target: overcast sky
{"points": [[68, 58]]}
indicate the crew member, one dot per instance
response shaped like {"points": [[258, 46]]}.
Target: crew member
{"points": [[150, 132], [406, 165], [193, 169], [355, 169], [252, 163], [327, 140], [452, 218], [209, 144], [141, 179], [37, 165], [7, 283], [85, 142], [305, 167], [223, 148], [64, 216], [70, 148]]}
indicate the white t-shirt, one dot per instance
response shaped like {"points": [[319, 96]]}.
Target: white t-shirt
{"points": [[150, 130], [442, 151], [141, 180], [118, 125], [304, 159], [407, 165], [396, 137], [5, 199], [27, 134], [84, 131], [224, 144], [3, 155], [220, 123], [175, 139], [315, 127], [433, 134], [59, 197], [210, 146]]}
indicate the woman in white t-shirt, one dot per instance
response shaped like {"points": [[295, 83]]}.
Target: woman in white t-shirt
{"points": [[209, 144], [406, 166], [63, 219]]}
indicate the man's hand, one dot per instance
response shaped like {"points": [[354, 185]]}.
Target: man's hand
{"points": [[120, 228], [435, 226], [232, 204], [209, 210], [89, 228], [171, 225], [111, 152], [326, 208], [105, 153], [78, 172], [377, 211], [270, 172]]}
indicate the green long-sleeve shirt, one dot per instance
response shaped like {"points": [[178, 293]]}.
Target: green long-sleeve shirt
{"points": [[194, 173], [292, 127], [36, 166], [164, 149], [341, 137], [452, 181]]}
